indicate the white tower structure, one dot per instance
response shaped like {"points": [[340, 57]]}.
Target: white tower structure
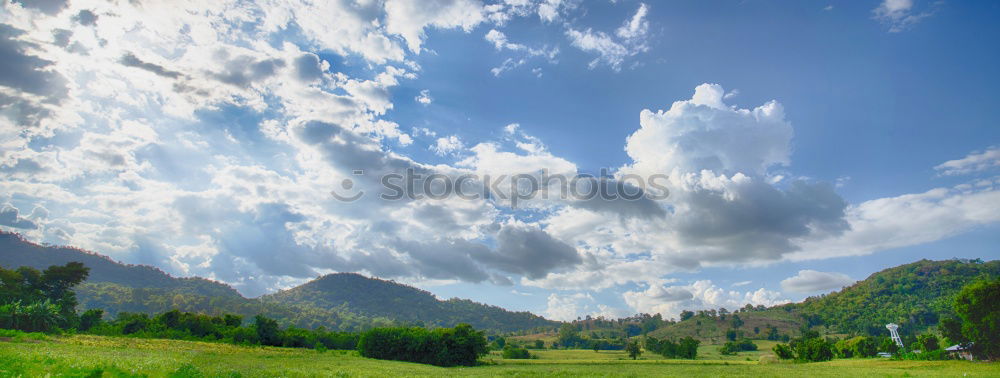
{"points": [[895, 335]]}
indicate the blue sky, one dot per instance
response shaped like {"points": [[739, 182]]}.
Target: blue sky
{"points": [[807, 144]]}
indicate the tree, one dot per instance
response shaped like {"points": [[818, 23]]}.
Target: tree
{"points": [[951, 329], [685, 315], [90, 319], [737, 322], [888, 346], [815, 349], [731, 335], [568, 335], [978, 305], [688, 348], [633, 349], [499, 342], [53, 287], [928, 342], [267, 330]]}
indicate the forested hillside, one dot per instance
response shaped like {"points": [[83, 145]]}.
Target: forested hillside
{"points": [[914, 295], [381, 298], [340, 301]]}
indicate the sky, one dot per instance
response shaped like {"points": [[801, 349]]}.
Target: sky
{"points": [[802, 145]]}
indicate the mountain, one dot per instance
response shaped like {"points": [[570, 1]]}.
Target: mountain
{"points": [[915, 296], [380, 298], [343, 301], [15, 251]]}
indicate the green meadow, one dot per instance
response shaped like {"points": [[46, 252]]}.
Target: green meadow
{"points": [[95, 356]]}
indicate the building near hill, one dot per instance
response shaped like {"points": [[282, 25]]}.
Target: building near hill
{"points": [[960, 351]]}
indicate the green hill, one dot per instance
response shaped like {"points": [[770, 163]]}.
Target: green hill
{"points": [[712, 329], [380, 298], [338, 301], [915, 296]]}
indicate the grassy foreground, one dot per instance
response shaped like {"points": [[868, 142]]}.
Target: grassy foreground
{"points": [[116, 356]]}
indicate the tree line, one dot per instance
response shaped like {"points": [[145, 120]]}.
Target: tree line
{"points": [[34, 301]]}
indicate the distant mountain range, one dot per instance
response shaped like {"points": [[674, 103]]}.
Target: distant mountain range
{"points": [[345, 301], [914, 295]]}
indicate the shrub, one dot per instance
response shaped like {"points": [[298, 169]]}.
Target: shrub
{"points": [[783, 351], [461, 345], [512, 352], [733, 347], [813, 350]]}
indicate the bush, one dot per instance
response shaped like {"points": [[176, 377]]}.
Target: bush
{"points": [[813, 350], [733, 347], [244, 335], [90, 319], [511, 352], [461, 345], [783, 351]]}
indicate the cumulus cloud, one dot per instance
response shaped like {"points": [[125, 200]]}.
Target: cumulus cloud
{"points": [[671, 300], [567, 307], [51, 7], [811, 281], [447, 145], [530, 252], [704, 133], [10, 216], [908, 219], [408, 18], [974, 162], [32, 87]]}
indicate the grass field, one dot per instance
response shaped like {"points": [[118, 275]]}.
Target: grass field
{"points": [[113, 356]]}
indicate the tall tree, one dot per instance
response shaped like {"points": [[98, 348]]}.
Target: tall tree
{"points": [[978, 304]]}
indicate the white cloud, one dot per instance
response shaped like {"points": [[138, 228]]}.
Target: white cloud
{"points": [[409, 18], [447, 145], [704, 133], [811, 281], [507, 65], [909, 219], [671, 300], [741, 283], [971, 163], [611, 51], [898, 14], [636, 27], [567, 307], [424, 97], [501, 43]]}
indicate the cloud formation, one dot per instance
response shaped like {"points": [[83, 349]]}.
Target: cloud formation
{"points": [[811, 281], [972, 163]]}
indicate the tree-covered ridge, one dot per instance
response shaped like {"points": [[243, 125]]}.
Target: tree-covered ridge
{"points": [[15, 252], [340, 301], [382, 298], [915, 295]]}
